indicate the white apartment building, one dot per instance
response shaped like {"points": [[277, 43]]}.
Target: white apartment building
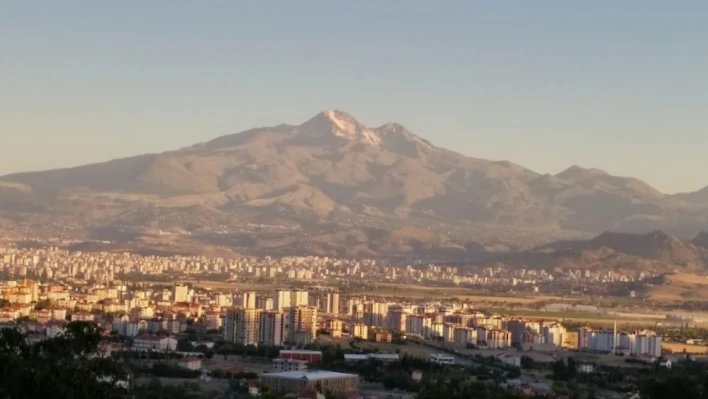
{"points": [[282, 300], [154, 342]]}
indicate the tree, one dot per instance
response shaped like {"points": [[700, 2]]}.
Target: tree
{"points": [[527, 363], [560, 371], [61, 367], [572, 369], [183, 345], [43, 304]]}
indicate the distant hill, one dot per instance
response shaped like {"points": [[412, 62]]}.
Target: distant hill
{"points": [[678, 287], [701, 240], [657, 252], [698, 198], [332, 185]]}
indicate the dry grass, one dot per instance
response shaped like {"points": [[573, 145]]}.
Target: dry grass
{"points": [[681, 287], [676, 347]]}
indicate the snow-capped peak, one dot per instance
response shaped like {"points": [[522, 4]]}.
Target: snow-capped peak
{"points": [[340, 124]]}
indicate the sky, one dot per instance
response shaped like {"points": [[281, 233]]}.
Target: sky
{"points": [[620, 86]]}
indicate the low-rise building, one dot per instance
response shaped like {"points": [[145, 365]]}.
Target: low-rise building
{"points": [[323, 381], [359, 330], [510, 360], [383, 336], [312, 357], [281, 365], [440, 358], [334, 327], [383, 357], [586, 368], [190, 363], [154, 342]]}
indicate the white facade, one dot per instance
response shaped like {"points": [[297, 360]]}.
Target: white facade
{"points": [[511, 360], [645, 343], [464, 336], [655, 347], [191, 363], [246, 300], [498, 339], [271, 328], [280, 365], [181, 293], [601, 341], [376, 314], [419, 325], [436, 329], [553, 334], [282, 300], [586, 368], [440, 358], [299, 298], [151, 342], [333, 303]]}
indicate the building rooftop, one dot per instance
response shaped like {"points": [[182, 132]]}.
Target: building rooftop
{"points": [[310, 375], [296, 361], [189, 359], [300, 352], [146, 337], [365, 356], [441, 356]]}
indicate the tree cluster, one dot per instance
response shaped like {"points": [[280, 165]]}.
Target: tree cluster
{"points": [[62, 367]]}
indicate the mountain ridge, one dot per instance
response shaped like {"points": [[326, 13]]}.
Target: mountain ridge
{"points": [[333, 170]]}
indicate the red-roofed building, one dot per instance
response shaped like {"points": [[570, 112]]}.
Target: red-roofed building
{"points": [[312, 357]]}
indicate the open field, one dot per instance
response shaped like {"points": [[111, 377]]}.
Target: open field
{"points": [[681, 287], [237, 364], [214, 386], [420, 291], [676, 347], [220, 285], [597, 318], [410, 349]]}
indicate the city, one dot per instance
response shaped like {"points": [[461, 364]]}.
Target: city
{"points": [[312, 303], [353, 200]]}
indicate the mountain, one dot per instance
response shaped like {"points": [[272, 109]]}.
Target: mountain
{"points": [[332, 185], [656, 251], [696, 198], [701, 240]]}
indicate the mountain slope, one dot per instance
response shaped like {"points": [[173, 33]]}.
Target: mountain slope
{"points": [[701, 240], [696, 198], [334, 171], [656, 251]]}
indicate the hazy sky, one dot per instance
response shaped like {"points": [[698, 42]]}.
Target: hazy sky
{"points": [[617, 85]]}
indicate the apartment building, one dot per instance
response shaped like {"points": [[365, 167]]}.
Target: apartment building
{"points": [[241, 326]]}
